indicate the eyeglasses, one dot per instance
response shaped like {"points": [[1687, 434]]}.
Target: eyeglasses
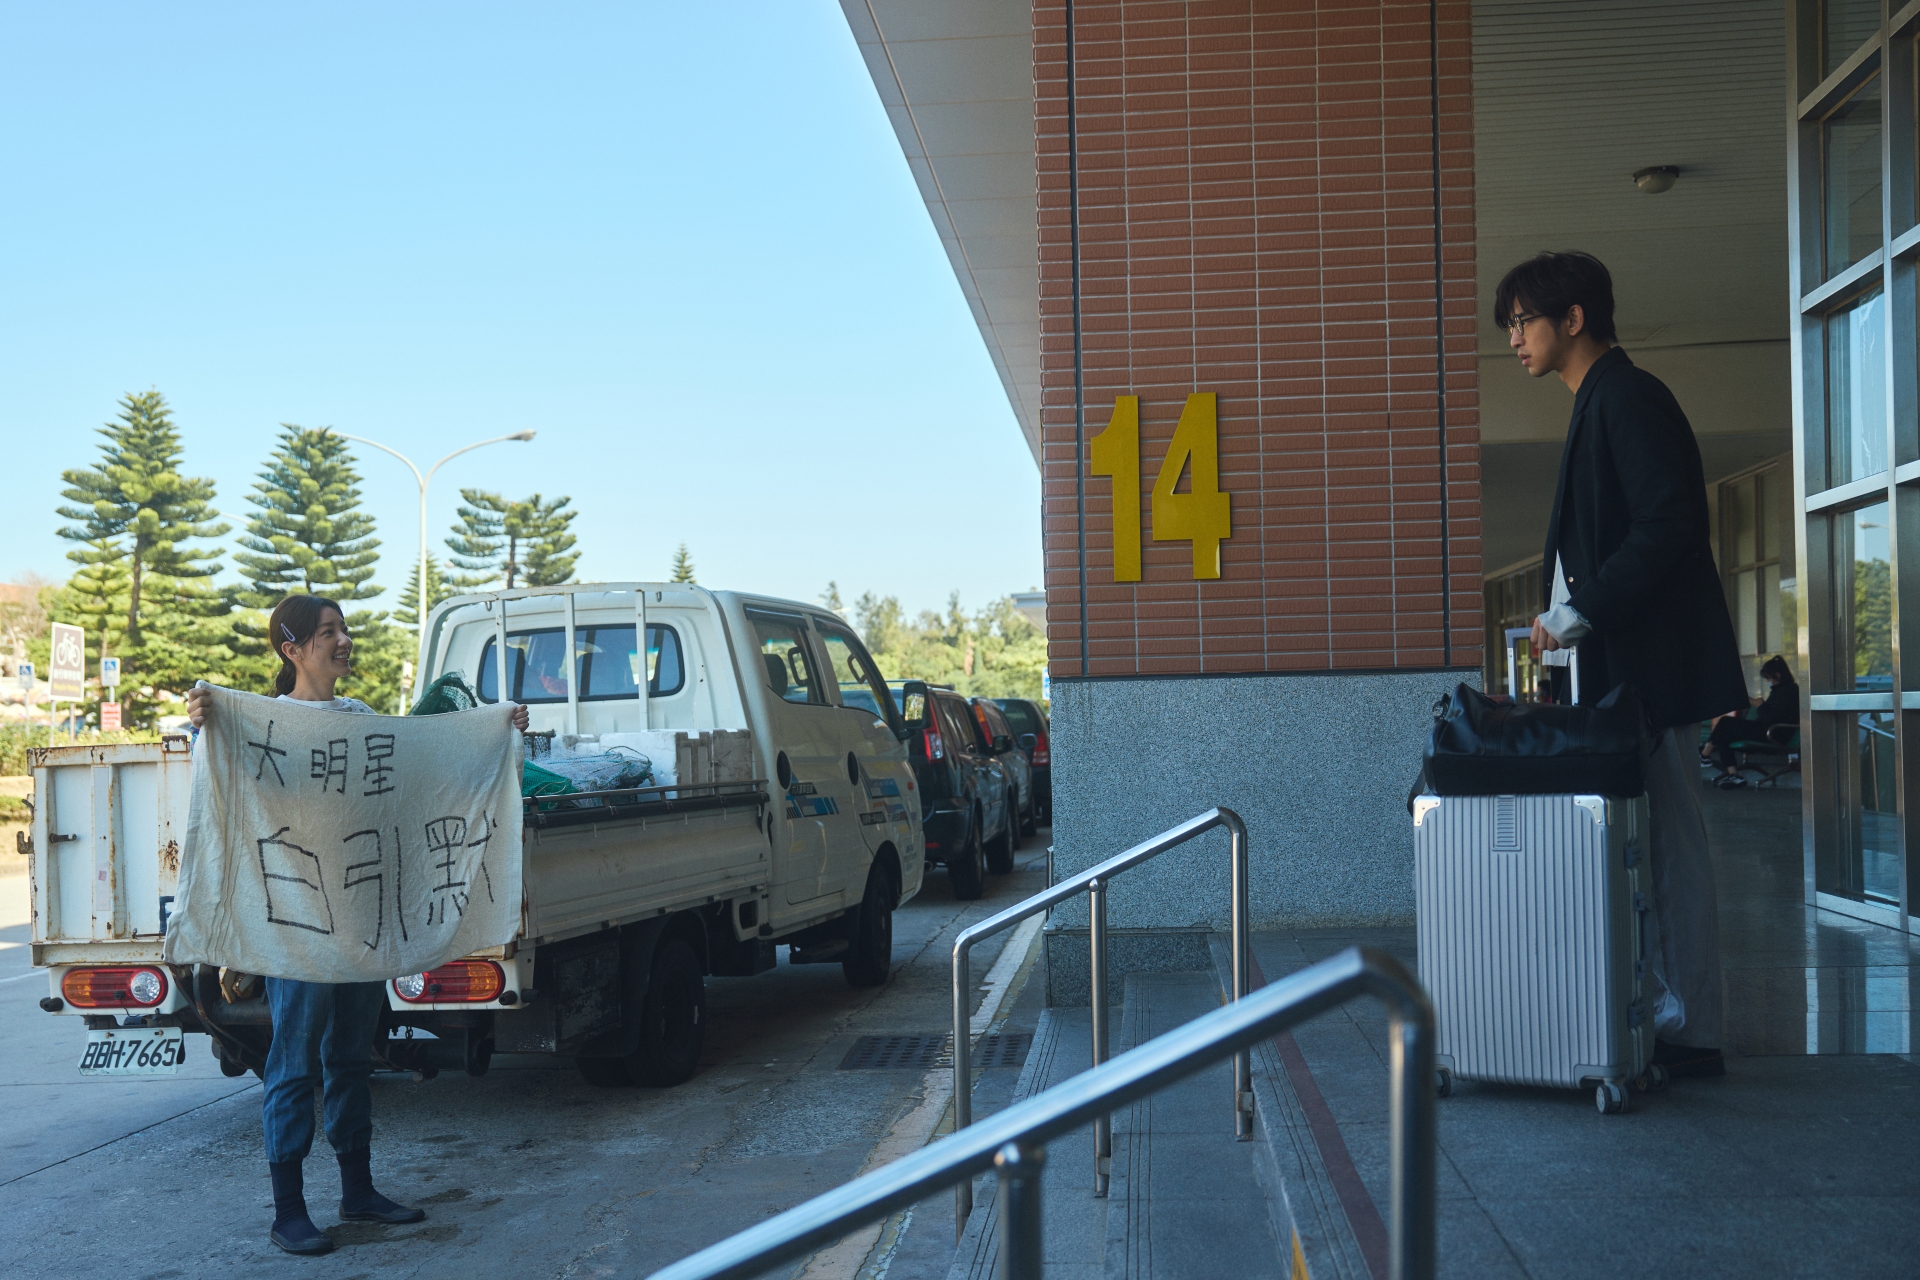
{"points": [[1520, 322]]}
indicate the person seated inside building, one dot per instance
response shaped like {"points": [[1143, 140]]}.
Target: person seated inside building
{"points": [[1780, 706]]}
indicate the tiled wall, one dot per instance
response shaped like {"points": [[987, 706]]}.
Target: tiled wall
{"points": [[1256, 213]]}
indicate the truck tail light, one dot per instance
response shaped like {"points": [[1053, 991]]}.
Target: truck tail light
{"points": [[1041, 753], [936, 749], [115, 988], [462, 982]]}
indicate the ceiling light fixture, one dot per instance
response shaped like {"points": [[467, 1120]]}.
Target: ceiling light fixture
{"points": [[1657, 178]]}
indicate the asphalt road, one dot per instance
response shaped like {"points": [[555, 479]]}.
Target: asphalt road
{"points": [[528, 1171]]}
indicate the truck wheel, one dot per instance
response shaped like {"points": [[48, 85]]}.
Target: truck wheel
{"points": [[870, 959], [1000, 848], [673, 1021], [967, 870]]}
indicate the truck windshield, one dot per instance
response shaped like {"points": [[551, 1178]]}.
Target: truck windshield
{"points": [[607, 665]]}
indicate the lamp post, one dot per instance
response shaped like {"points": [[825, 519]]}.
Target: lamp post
{"points": [[423, 480]]}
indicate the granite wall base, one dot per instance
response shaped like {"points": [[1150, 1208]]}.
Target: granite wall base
{"points": [[1318, 766]]}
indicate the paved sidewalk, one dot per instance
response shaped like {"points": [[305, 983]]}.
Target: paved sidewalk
{"points": [[1799, 1162]]}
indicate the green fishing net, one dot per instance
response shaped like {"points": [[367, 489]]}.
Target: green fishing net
{"points": [[448, 693]]}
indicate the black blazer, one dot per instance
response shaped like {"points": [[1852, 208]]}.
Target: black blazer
{"points": [[1630, 527]]}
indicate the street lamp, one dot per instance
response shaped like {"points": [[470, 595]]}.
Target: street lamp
{"points": [[421, 604]]}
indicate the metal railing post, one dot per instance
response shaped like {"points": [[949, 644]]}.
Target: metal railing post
{"points": [[1242, 1061], [1022, 1242], [1096, 882], [1413, 1251], [1097, 966], [962, 1078]]}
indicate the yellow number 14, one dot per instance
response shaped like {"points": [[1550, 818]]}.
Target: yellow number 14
{"points": [[1203, 515]]}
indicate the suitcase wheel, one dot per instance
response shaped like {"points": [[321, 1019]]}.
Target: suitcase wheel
{"points": [[1610, 1098], [1652, 1080], [1442, 1083]]}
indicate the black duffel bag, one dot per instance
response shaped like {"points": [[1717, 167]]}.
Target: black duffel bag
{"points": [[1480, 747]]}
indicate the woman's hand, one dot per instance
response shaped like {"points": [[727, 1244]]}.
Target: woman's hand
{"points": [[199, 702], [519, 717]]}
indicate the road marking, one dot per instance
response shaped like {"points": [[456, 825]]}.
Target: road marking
{"points": [[914, 1130], [19, 977]]}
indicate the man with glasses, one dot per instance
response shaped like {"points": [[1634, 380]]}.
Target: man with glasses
{"points": [[1631, 581]]}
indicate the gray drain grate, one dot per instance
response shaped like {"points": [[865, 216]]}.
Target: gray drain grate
{"points": [[1001, 1051], [894, 1053], [918, 1053]]}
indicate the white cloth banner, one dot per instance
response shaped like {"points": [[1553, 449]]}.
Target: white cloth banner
{"points": [[334, 846]]}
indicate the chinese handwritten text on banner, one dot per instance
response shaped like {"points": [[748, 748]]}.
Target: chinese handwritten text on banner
{"points": [[332, 846]]}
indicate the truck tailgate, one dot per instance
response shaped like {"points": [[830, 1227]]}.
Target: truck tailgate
{"points": [[107, 825]]}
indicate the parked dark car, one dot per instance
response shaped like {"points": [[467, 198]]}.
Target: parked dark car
{"points": [[990, 722], [966, 791], [1030, 734]]}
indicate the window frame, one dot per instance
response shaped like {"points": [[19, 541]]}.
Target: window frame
{"points": [[816, 688], [489, 663]]}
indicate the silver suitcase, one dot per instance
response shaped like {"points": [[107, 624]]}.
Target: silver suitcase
{"points": [[1533, 939]]}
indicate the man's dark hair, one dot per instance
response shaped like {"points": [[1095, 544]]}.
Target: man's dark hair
{"points": [[1552, 284]]}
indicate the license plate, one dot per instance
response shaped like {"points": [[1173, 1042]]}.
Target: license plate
{"points": [[134, 1051]]}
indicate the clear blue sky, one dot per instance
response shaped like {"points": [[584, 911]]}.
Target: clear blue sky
{"points": [[679, 241]]}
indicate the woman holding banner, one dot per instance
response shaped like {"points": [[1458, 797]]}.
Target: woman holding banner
{"points": [[322, 1032]]}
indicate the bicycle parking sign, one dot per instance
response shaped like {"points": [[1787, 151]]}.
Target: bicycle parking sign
{"points": [[67, 665]]}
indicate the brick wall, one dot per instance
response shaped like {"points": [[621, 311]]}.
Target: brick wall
{"points": [[1256, 214]]}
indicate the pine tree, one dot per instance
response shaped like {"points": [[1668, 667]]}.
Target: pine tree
{"points": [[306, 533], [550, 553], [831, 598], [142, 590], [136, 498], [437, 591], [502, 543], [682, 565]]}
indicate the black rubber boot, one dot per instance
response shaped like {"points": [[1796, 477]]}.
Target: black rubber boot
{"points": [[293, 1230], [359, 1201]]}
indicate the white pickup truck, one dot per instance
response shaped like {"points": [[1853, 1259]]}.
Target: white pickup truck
{"points": [[782, 811]]}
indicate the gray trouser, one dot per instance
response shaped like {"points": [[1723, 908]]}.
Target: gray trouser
{"points": [[1686, 918]]}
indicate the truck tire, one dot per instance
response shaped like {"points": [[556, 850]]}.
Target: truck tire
{"points": [[869, 960], [1000, 848], [673, 1019], [967, 870]]}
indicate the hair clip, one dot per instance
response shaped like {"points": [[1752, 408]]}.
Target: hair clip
{"points": [[287, 631]]}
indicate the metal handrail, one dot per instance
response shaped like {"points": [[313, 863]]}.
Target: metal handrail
{"points": [[1011, 1140], [1094, 881]]}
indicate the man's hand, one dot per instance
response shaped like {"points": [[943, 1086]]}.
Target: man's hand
{"points": [[1543, 641], [520, 717], [199, 702]]}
